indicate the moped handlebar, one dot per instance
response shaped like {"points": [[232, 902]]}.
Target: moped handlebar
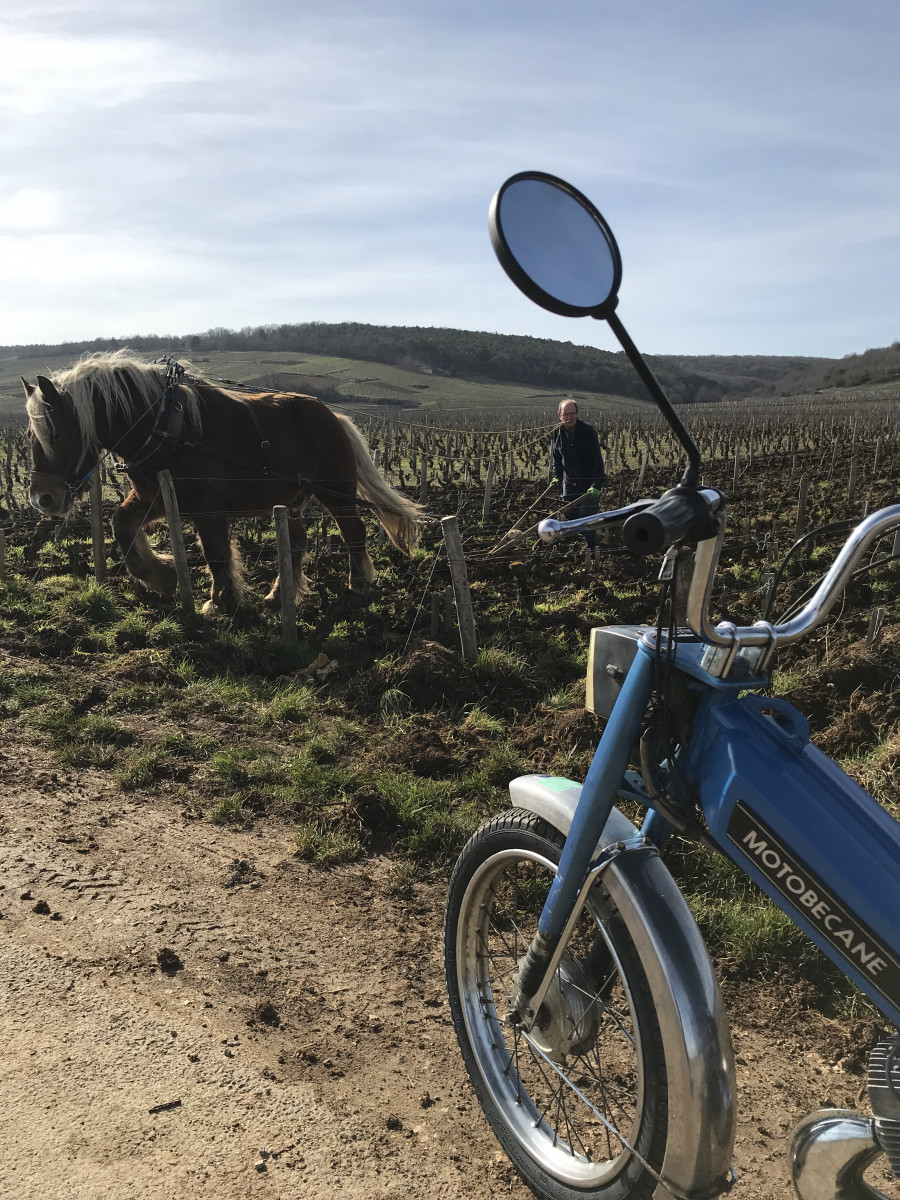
{"points": [[550, 528], [726, 640], [697, 514], [681, 514], [650, 525]]}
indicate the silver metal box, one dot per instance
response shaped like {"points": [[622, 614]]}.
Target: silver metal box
{"points": [[611, 653]]}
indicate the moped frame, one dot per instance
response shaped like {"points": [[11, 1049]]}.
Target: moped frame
{"points": [[818, 844], [815, 841]]}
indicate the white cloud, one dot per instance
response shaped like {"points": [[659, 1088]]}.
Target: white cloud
{"points": [[30, 208], [231, 163], [50, 74]]}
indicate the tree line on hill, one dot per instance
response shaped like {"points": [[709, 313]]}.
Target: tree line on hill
{"points": [[511, 358]]}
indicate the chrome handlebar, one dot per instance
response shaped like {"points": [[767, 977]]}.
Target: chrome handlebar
{"points": [[757, 642], [550, 528], [725, 640]]}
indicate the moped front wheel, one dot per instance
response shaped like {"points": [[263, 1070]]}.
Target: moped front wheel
{"points": [[580, 1102]]}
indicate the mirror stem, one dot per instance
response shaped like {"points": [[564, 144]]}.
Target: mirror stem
{"points": [[691, 476]]}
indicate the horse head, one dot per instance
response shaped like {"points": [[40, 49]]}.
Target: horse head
{"points": [[60, 462]]}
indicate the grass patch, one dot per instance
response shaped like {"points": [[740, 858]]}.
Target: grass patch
{"points": [[325, 846], [21, 691], [878, 771], [393, 706], [431, 818], [96, 604], [479, 718], [247, 766], [502, 763], [91, 741], [167, 758], [136, 699], [566, 697], [291, 705], [166, 634], [782, 683]]}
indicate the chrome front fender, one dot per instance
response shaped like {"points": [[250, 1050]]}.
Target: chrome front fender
{"points": [[686, 996]]}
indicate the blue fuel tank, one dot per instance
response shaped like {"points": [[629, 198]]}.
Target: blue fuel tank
{"points": [[812, 838]]}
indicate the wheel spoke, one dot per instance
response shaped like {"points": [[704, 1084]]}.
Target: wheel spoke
{"points": [[579, 1115]]}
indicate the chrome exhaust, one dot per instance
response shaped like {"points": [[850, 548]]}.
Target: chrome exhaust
{"points": [[830, 1150]]}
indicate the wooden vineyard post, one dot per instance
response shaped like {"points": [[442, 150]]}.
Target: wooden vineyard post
{"points": [[851, 486], [488, 488], [435, 615], [98, 545], [644, 460], [737, 465], [457, 561], [423, 479], [800, 527], [285, 574], [176, 537]]}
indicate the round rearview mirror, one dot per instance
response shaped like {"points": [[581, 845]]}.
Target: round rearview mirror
{"points": [[555, 246]]}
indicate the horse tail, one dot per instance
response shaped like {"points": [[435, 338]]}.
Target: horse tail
{"points": [[399, 516]]}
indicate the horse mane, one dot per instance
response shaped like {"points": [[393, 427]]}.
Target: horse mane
{"points": [[119, 381]]}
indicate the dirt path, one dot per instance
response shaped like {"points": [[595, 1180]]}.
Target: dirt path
{"points": [[189, 1011]]}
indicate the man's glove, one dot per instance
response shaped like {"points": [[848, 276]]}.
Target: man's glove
{"points": [[553, 481], [594, 493]]}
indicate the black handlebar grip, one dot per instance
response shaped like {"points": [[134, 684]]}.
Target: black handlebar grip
{"points": [[680, 514]]}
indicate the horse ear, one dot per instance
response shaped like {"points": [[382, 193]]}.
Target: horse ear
{"points": [[30, 388], [48, 391]]}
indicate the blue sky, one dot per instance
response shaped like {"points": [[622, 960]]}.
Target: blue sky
{"points": [[171, 167]]}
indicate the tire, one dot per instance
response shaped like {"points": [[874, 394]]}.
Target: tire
{"points": [[595, 1051]]}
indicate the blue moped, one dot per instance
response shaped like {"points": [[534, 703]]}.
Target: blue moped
{"points": [[584, 1002]]}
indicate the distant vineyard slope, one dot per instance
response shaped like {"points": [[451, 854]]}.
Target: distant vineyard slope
{"points": [[403, 367]]}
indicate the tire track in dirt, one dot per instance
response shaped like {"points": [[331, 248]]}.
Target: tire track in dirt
{"points": [[296, 1015], [290, 1010]]}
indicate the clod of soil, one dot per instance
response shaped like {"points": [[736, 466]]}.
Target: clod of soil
{"points": [[422, 750], [431, 672], [168, 961]]}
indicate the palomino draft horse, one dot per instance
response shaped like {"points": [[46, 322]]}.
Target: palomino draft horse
{"points": [[229, 455]]}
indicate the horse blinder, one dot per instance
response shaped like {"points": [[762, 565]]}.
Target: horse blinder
{"points": [[67, 448]]}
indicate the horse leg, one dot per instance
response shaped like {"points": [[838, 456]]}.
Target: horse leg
{"points": [[156, 572], [297, 534], [353, 531], [225, 566]]}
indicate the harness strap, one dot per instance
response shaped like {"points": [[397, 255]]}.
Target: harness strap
{"points": [[165, 436], [264, 443]]}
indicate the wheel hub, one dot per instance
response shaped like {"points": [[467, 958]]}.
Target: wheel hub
{"points": [[569, 1017]]}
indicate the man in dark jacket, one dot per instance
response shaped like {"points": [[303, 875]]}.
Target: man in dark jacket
{"points": [[576, 461]]}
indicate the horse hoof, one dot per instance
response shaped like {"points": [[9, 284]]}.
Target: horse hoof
{"points": [[146, 588], [367, 590], [210, 609]]}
